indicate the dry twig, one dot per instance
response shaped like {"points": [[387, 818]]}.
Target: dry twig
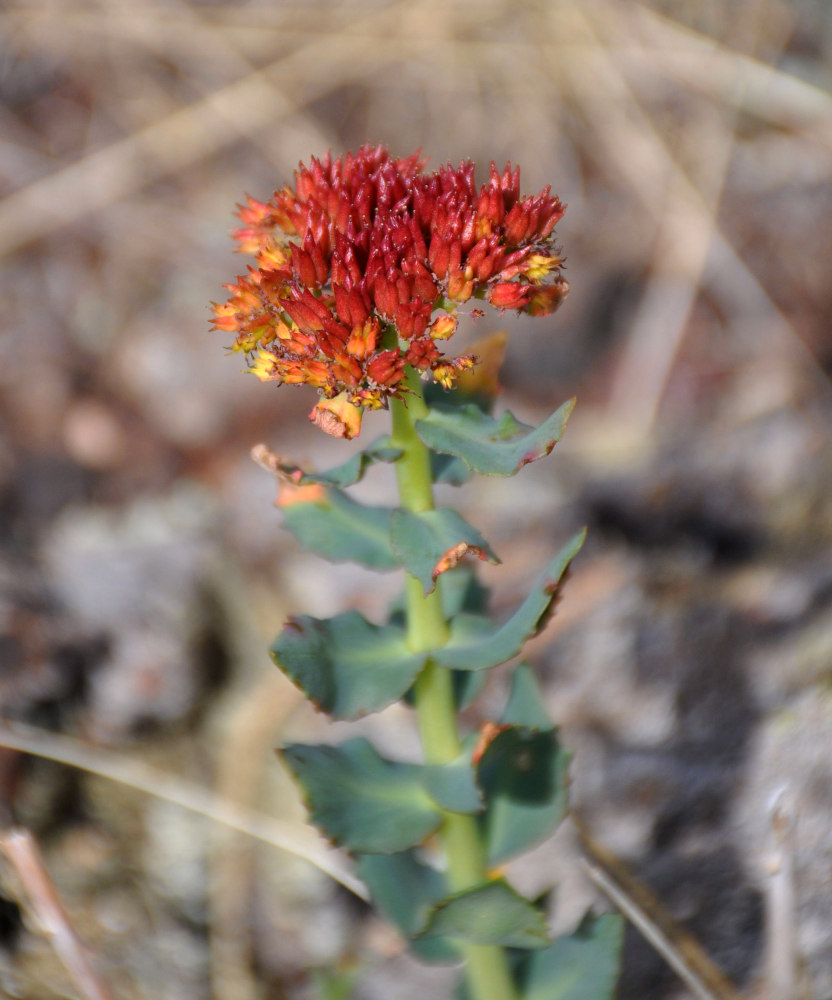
{"points": [[50, 917], [782, 959], [297, 839], [678, 948]]}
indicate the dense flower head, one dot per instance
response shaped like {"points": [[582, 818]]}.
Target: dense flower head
{"points": [[362, 267]]}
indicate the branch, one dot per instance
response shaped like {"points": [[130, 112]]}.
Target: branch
{"points": [[21, 849]]}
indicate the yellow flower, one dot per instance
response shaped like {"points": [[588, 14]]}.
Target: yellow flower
{"points": [[263, 366], [538, 266]]}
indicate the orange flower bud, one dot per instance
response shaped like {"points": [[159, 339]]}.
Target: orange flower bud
{"points": [[363, 340], [225, 317], [443, 327], [460, 285], [271, 257]]}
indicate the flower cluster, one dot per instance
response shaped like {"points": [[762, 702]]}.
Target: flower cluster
{"points": [[362, 267]]}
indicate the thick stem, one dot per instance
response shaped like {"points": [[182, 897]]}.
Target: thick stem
{"points": [[487, 971]]}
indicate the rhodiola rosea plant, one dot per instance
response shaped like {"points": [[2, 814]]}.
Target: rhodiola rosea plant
{"points": [[363, 268]]}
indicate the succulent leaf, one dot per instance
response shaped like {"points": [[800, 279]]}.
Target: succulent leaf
{"points": [[349, 472], [525, 702], [580, 966], [339, 528], [433, 541], [449, 470], [346, 665], [361, 801], [453, 786], [477, 645], [406, 891], [493, 447], [492, 913], [523, 775]]}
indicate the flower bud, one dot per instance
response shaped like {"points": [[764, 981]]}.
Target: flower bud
{"points": [[263, 366], [363, 340], [386, 368], [544, 299], [443, 327], [445, 375], [271, 257], [538, 266], [460, 285], [509, 295]]}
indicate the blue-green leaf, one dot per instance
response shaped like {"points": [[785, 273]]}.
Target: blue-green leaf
{"points": [[406, 891], [432, 542], [492, 913], [526, 701], [467, 686], [581, 966], [448, 470], [338, 528], [361, 801], [345, 665], [494, 447], [453, 786], [523, 775], [349, 472], [478, 645]]}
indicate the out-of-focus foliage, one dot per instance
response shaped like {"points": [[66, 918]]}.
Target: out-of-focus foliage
{"points": [[692, 143]]}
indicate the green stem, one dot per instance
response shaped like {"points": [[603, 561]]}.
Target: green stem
{"points": [[487, 971]]}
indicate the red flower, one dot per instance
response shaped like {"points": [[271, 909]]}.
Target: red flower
{"points": [[361, 264]]}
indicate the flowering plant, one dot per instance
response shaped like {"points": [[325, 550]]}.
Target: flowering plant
{"points": [[363, 268]]}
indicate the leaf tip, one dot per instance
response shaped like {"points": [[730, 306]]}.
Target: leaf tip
{"points": [[534, 455], [452, 557]]}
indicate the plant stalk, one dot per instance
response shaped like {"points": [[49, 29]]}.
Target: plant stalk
{"points": [[487, 970]]}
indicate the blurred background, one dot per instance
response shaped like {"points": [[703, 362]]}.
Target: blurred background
{"points": [[143, 570]]}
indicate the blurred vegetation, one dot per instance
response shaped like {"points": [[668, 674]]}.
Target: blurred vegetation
{"points": [[142, 569]]}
